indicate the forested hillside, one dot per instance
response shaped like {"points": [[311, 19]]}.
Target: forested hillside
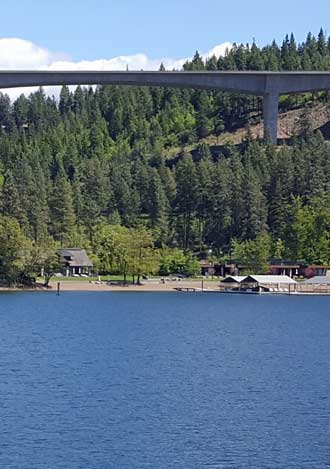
{"points": [[71, 169]]}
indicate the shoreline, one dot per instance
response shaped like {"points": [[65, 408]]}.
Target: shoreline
{"points": [[144, 287], [76, 285], [151, 287]]}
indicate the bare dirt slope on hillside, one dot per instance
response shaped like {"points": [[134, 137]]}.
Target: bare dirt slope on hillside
{"points": [[290, 124]]}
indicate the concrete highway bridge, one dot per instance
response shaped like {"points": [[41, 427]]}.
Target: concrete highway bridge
{"points": [[269, 85]]}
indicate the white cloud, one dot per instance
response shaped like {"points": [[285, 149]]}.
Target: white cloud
{"points": [[20, 54], [218, 50]]}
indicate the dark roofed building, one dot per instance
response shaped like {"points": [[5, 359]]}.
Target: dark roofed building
{"points": [[75, 261], [232, 267], [207, 267], [286, 267], [320, 270]]}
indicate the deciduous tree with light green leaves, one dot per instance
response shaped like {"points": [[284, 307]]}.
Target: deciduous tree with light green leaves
{"points": [[253, 254], [15, 250], [125, 251]]}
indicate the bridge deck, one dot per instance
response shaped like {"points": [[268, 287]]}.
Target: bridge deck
{"points": [[267, 84]]}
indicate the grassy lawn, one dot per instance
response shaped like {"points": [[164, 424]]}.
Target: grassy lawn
{"points": [[199, 278]]}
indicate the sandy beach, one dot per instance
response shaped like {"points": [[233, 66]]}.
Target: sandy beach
{"points": [[151, 286], [145, 287]]}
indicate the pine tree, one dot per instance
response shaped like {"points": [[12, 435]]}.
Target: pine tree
{"points": [[186, 197], [65, 104], [11, 203], [254, 206], [63, 219]]}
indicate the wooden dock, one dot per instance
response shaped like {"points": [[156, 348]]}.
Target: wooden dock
{"points": [[188, 289]]}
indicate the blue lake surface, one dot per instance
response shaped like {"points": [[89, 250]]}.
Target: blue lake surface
{"points": [[164, 380]]}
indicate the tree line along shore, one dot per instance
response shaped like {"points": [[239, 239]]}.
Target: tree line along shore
{"points": [[108, 170]]}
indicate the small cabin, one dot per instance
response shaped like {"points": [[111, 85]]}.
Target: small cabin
{"points": [[75, 261]]}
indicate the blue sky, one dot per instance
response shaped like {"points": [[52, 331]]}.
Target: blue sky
{"points": [[160, 28]]}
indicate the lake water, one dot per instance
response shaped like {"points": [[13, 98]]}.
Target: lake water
{"points": [[164, 380]]}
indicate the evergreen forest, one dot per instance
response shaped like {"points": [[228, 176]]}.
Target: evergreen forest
{"points": [[92, 169]]}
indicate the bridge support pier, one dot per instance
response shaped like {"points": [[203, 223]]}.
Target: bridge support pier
{"points": [[270, 117]]}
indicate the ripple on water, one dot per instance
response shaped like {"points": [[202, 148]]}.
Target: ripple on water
{"points": [[134, 380]]}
